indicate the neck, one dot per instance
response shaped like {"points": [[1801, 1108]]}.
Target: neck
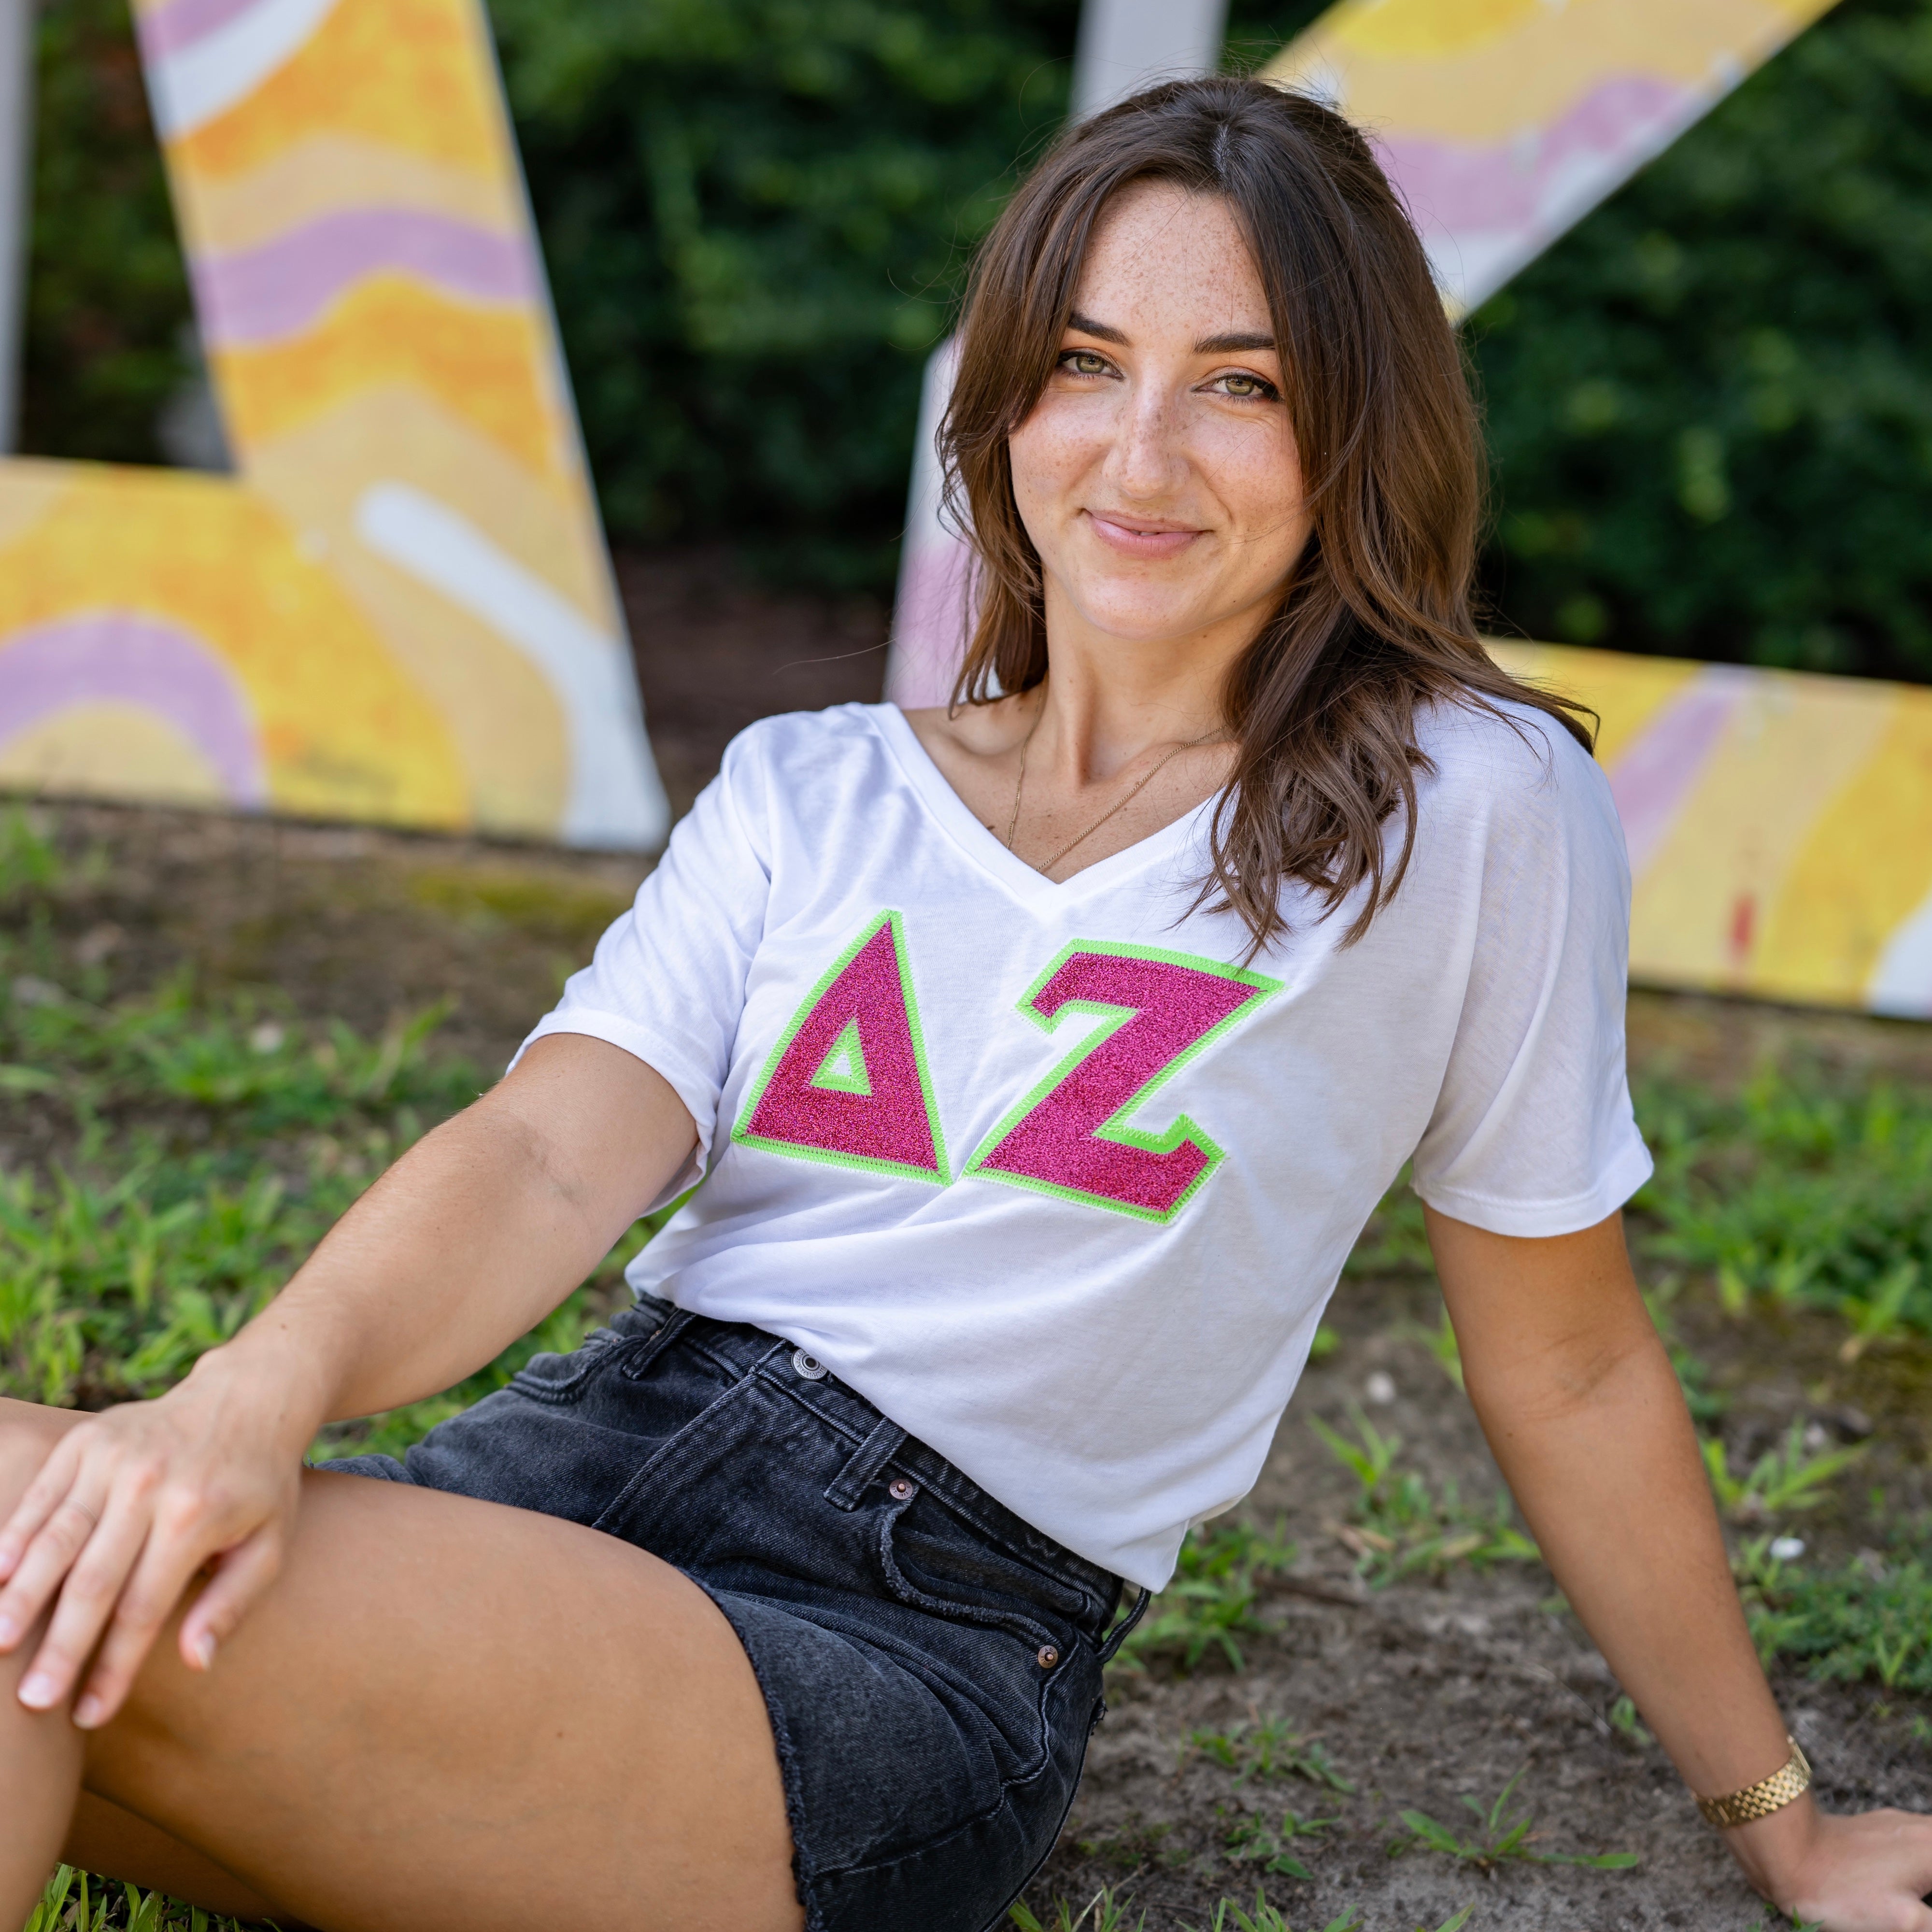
{"points": [[1108, 700]]}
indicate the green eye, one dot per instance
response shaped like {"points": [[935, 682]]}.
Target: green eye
{"points": [[1246, 386], [1084, 362]]}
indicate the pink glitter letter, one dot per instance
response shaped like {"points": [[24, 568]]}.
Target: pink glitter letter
{"points": [[1068, 1136], [847, 1081]]}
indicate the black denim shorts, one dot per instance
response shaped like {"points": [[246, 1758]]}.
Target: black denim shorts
{"points": [[931, 1664]]}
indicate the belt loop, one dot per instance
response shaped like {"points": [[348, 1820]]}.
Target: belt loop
{"points": [[867, 1460], [668, 1331], [1118, 1635]]}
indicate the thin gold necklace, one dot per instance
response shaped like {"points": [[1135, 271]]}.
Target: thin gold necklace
{"points": [[1120, 804]]}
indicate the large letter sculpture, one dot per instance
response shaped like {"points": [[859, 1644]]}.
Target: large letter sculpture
{"points": [[401, 608], [1780, 826]]}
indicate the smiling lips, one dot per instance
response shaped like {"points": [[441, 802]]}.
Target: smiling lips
{"points": [[1141, 536]]}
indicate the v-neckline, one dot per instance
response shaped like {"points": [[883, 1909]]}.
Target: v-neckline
{"points": [[956, 819]]}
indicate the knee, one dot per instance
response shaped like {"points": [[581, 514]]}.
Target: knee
{"points": [[28, 1434]]}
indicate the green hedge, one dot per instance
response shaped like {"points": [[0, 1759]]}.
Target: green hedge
{"points": [[1711, 409]]}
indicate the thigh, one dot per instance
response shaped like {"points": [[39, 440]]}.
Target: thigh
{"points": [[448, 1712], [104, 1838]]}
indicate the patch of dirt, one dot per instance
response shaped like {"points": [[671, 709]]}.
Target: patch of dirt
{"points": [[1423, 1693]]}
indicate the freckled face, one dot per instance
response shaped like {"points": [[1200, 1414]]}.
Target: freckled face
{"points": [[1158, 475]]}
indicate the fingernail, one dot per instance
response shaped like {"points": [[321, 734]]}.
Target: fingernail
{"points": [[204, 1650], [88, 1712], [40, 1692], [9, 1633]]}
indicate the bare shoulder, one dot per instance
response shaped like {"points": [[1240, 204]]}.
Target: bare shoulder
{"points": [[970, 745], [969, 733], [965, 743]]}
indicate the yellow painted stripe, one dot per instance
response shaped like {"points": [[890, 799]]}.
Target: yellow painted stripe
{"points": [[1700, 913], [410, 73], [344, 733], [28, 490], [325, 172], [1865, 869], [1401, 71], [486, 368]]}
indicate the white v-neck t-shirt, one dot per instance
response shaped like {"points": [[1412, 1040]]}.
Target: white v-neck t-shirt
{"points": [[1055, 1175]]}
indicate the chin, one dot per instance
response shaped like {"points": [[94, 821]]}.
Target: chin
{"points": [[1135, 620]]}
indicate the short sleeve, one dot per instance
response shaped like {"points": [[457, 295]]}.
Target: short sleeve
{"points": [[667, 980], [1533, 1132]]}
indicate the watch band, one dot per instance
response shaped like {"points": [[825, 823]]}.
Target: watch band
{"points": [[1791, 1780]]}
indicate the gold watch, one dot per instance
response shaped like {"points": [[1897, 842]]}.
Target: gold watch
{"points": [[1790, 1781]]}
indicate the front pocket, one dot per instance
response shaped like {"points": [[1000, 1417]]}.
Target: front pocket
{"points": [[560, 1378], [931, 1562]]}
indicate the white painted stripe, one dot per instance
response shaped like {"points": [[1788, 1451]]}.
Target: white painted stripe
{"points": [[1901, 982], [616, 800], [189, 88]]}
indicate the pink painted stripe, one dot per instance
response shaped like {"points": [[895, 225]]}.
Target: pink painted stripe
{"points": [[1660, 768], [1611, 130], [930, 619], [116, 655], [181, 22], [267, 293]]}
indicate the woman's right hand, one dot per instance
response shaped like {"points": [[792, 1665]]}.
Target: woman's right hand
{"points": [[129, 1508]]}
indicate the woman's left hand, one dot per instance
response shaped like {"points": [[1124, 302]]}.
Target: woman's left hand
{"points": [[1868, 1872]]}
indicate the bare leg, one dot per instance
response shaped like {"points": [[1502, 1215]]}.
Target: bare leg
{"points": [[40, 1753], [445, 1714], [103, 1838]]}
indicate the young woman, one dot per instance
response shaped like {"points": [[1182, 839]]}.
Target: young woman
{"points": [[1041, 1058]]}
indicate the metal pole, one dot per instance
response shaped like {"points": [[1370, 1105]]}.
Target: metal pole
{"points": [[1125, 45], [16, 162]]}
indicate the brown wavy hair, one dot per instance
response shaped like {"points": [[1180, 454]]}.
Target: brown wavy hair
{"points": [[1377, 618]]}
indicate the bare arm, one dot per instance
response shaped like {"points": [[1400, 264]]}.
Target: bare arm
{"points": [[473, 1237], [477, 1233], [1581, 1407]]}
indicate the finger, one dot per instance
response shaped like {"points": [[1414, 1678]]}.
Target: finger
{"points": [[241, 1576], [91, 1585], [43, 1494], [48, 1557]]}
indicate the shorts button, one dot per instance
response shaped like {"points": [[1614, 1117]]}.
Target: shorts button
{"points": [[1048, 1656], [901, 1490], [809, 1367]]}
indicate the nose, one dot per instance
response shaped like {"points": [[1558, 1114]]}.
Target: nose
{"points": [[1146, 462]]}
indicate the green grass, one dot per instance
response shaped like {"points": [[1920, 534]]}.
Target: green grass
{"points": [[1269, 1751], [1401, 1526], [74, 1902], [200, 1146], [1230, 1916], [1786, 1480], [1802, 1189], [1868, 1620], [1212, 1602], [1799, 1191], [1103, 1912], [1253, 1840], [192, 1145], [1501, 1837]]}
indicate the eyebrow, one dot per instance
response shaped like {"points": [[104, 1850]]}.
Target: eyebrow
{"points": [[1087, 325], [1239, 343]]}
